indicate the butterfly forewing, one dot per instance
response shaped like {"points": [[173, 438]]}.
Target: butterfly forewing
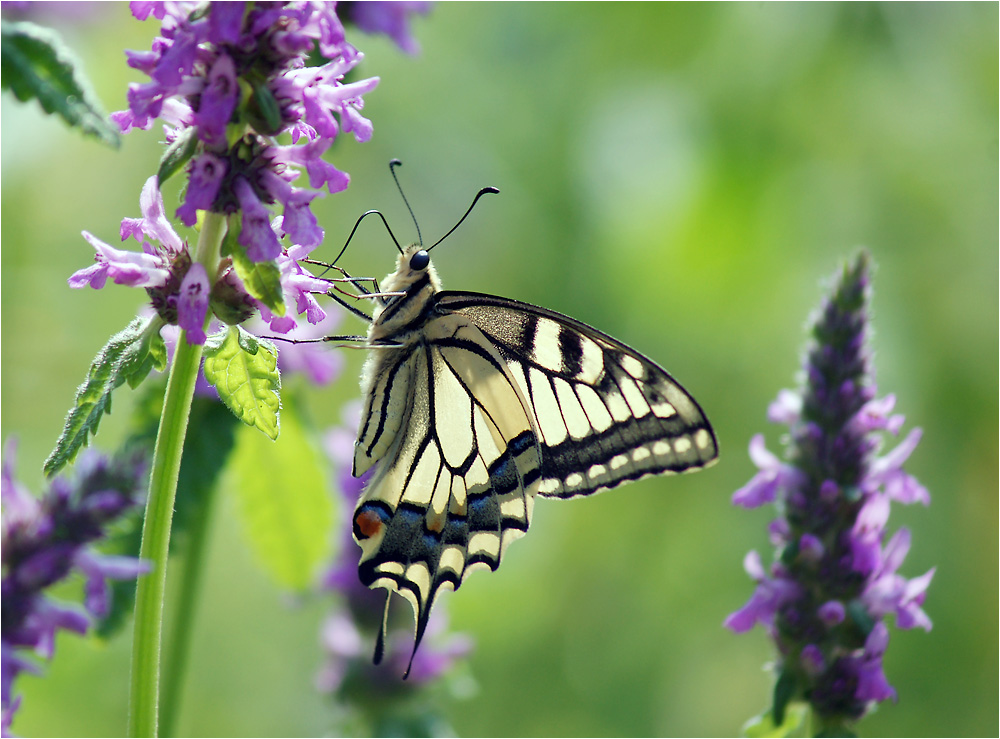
{"points": [[605, 413]]}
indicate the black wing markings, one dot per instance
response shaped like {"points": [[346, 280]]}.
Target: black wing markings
{"points": [[575, 456], [407, 539]]}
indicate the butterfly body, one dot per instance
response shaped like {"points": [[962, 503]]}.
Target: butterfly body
{"points": [[475, 404]]}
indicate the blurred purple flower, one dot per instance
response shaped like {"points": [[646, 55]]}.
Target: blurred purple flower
{"points": [[45, 541], [348, 632], [390, 18], [834, 579]]}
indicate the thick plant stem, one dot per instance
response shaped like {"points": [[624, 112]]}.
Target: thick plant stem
{"points": [[179, 651], [147, 632]]}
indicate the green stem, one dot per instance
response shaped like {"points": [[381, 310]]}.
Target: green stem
{"points": [[179, 651], [148, 629]]}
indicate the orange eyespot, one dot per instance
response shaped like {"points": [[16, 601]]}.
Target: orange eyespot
{"points": [[367, 523]]}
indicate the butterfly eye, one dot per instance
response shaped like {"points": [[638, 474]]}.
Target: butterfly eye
{"points": [[420, 260]]}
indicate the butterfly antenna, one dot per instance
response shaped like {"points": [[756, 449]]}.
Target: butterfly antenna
{"points": [[474, 201], [392, 168], [358, 223]]}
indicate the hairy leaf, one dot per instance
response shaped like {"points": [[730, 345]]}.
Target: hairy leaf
{"points": [[127, 357], [244, 370], [35, 63], [284, 502]]}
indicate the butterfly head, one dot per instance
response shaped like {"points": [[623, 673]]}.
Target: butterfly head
{"points": [[414, 272]]}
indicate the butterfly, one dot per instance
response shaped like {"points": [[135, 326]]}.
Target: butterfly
{"points": [[473, 405]]}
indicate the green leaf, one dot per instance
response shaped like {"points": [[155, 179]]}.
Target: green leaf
{"points": [[764, 726], [177, 154], [153, 353], [210, 441], [127, 357], [35, 63], [261, 279], [284, 502], [248, 383], [248, 342], [784, 690]]}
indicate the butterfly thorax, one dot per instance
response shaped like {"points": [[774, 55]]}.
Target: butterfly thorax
{"points": [[397, 327]]}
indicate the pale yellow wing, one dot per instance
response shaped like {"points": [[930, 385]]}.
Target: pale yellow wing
{"points": [[457, 483]]}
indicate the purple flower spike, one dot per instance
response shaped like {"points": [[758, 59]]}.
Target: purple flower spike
{"points": [[133, 269], [206, 174], [229, 81], [218, 101], [192, 303], [835, 578], [773, 476], [154, 223], [178, 289], [256, 235], [46, 540], [233, 77]]}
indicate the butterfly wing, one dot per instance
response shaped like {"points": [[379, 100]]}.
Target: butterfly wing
{"points": [[497, 401], [605, 414], [456, 480]]}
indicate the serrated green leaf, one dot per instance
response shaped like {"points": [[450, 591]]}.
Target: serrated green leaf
{"points": [[177, 154], [35, 63], [248, 384], [261, 279], [763, 725], [128, 356], [284, 502]]}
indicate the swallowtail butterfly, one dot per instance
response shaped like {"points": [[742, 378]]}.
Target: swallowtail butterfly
{"points": [[473, 405]]}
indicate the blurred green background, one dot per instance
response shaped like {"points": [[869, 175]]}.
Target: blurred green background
{"points": [[683, 177]]}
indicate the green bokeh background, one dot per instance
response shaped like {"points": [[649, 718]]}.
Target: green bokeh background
{"points": [[683, 177]]}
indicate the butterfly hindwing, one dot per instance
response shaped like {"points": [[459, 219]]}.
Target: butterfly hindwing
{"points": [[456, 484], [605, 413]]}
